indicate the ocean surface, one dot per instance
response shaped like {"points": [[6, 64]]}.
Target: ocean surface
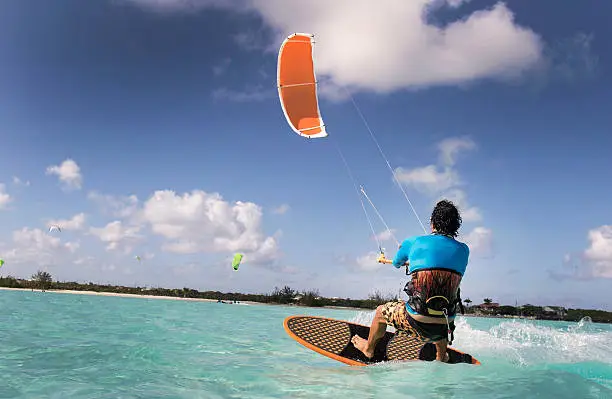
{"points": [[81, 346]]}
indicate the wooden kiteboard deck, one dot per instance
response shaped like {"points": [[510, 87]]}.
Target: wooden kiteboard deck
{"points": [[332, 338]]}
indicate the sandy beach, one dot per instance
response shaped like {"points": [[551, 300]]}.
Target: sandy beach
{"points": [[124, 295], [170, 298]]}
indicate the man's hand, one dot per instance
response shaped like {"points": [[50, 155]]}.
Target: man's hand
{"points": [[382, 259]]}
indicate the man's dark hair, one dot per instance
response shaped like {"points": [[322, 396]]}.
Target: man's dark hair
{"points": [[445, 218]]}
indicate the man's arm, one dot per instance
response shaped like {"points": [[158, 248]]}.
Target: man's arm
{"points": [[403, 254]]}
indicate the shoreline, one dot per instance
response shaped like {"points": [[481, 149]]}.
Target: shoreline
{"points": [[174, 298]]}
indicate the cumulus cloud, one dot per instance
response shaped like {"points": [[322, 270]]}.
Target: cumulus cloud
{"points": [[282, 209], [205, 222], [593, 262], [68, 172], [443, 180], [459, 197], [386, 235], [117, 236], [599, 252], [428, 179], [84, 260], [486, 44], [5, 198], [451, 147], [480, 241], [18, 182], [117, 206], [34, 246], [368, 262], [77, 222]]}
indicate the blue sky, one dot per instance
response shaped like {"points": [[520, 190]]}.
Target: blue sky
{"points": [[153, 128]]}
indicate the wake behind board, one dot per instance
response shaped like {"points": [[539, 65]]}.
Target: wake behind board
{"points": [[332, 338]]}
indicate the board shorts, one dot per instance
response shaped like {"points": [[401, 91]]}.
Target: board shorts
{"points": [[396, 315]]}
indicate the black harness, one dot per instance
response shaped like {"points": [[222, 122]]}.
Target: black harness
{"points": [[439, 298]]}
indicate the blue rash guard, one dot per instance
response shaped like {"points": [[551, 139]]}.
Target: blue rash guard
{"points": [[432, 251]]}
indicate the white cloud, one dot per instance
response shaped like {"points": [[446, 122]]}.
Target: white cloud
{"points": [[485, 44], [386, 235], [34, 246], [459, 197], [443, 181], [599, 252], [18, 182], [480, 241], [204, 222], [282, 209], [368, 262], [428, 179], [400, 44], [84, 260], [5, 198], [77, 222], [449, 148], [68, 172], [72, 246], [117, 236], [117, 206]]}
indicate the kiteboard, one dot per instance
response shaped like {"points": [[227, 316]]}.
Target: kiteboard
{"points": [[332, 338]]}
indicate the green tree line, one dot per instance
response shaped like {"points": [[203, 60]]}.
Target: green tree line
{"points": [[287, 295]]}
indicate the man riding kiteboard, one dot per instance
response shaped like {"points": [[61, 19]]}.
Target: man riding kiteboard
{"points": [[436, 264]]}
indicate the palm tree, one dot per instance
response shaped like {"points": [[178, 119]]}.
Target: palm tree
{"points": [[488, 300], [467, 301]]}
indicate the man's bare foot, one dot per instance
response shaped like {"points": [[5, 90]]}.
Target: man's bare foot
{"points": [[445, 360], [362, 345]]}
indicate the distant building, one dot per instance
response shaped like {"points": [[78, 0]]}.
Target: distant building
{"points": [[492, 305], [553, 312], [486, 306]]}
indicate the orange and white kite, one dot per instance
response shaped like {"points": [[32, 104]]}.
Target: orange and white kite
{"points": [[297, 86]]}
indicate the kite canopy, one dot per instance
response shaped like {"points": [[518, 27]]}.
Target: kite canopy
{"points": [[54, 227], [1, 262], [236, 261], [297, 86]]}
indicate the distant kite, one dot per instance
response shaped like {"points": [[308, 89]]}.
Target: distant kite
{"points": [[55, 227], [236, 261], [137, 258], [1, 262]]}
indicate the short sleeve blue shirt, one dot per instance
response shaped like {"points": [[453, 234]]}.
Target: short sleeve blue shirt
{"points": [[432, 251]]}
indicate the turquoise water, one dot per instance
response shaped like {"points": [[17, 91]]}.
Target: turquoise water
{"points": [[79, 346]]}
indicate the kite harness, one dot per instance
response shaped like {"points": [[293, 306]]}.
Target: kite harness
{"points": [[435, 293]]}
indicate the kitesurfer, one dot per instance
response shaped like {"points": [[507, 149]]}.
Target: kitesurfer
{"points": [[436, 264]]}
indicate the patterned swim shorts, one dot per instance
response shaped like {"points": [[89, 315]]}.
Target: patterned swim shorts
{"points": [[396, 315]]}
